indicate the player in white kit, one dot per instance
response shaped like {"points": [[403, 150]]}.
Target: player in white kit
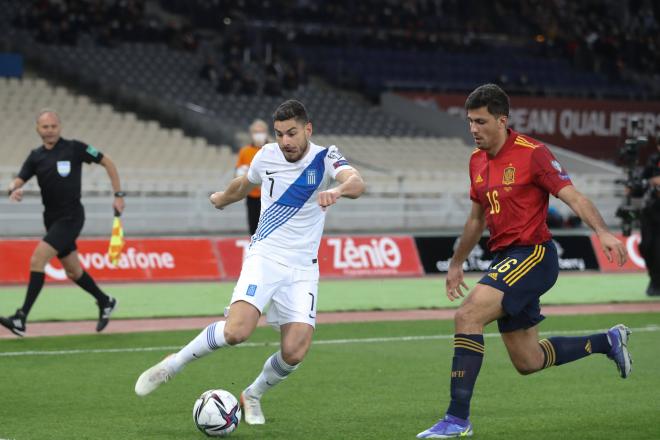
{"points": [[280, 266]]}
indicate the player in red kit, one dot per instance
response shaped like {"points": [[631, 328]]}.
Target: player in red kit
{"points": [[512, 176]]}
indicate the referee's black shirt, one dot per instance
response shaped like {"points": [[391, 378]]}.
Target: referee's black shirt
{"points": [[59, 173]]}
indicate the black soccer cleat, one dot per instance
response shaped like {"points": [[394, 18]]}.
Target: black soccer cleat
{"points": [[652, 290], [104, 314], [15, 323]]}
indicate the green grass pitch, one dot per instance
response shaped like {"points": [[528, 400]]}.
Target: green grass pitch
{"points": [[360, 380], [68, 302], [348, 387]]}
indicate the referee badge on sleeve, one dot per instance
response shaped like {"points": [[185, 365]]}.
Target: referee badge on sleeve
{"points": [[63, 167]]}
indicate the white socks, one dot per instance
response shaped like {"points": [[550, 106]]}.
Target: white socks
{"points": [[209, 340], [275, 371]]}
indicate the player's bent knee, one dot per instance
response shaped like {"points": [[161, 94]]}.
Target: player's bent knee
{"points": [[235, 335], [465, 316], [525, 370], [293, 357], [526, 367], [73, 275]]}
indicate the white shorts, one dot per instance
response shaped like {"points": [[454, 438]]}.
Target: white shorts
{"points": [[291, 292]]}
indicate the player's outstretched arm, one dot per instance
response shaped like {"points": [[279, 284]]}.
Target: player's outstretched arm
{"points": [[350, 185], [237, 190], [113, 174], [474, 227], [15, 190], [585, 209]]}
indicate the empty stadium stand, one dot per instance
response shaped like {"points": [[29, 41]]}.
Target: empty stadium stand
{"points": [[145, 151], [416, 181]]}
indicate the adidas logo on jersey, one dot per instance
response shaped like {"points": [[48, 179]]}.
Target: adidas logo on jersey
{"points": [[493, 275], [479, 179], [524, 142]]}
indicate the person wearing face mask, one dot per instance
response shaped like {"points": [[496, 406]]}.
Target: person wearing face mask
{"points": [[259, 136]]}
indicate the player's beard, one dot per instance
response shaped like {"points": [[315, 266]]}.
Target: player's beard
{"points": [[302, 151]]}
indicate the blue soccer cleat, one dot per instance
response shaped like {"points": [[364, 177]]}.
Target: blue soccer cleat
{"points": [[618, 337], [448, 427]]}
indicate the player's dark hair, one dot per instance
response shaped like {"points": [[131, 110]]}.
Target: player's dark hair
{"points": [[490, 96], [291, 109]]}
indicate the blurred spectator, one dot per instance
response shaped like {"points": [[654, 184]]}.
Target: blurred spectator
{"points": [[209, 71], [228, 82], [259, 137], [249, 84], [619, 40], [47, 34], [61, 22]]}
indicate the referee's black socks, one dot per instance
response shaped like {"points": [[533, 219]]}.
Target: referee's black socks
{"points": [[34, 287], [88, 284]]}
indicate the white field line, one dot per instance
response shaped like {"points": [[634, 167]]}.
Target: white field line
{"points": [[649, 328]]}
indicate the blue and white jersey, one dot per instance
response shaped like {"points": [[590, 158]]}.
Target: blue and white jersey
{"points": [[291, 222]]}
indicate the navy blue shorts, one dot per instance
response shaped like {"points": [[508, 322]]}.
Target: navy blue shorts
{"points": [[523, 273]]}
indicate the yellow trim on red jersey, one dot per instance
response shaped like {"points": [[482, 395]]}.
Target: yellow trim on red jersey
{"points": [[524, 142]]}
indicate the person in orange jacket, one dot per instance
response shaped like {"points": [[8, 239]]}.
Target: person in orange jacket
{"points": [[259, 136]]}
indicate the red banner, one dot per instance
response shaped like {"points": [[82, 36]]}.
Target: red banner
{"points": [[341, 256], [142, 259], [145, 259], [369, 256], [189, 259], [231, 252], [593, 127], [15, 260], [635, 261]]}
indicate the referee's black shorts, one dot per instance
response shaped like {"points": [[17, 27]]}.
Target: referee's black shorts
{"points": [[62, 230]]}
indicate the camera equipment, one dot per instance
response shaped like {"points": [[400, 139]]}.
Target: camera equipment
{"points": [[630, 210]]}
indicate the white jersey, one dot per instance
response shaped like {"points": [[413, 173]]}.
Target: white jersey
{"points": [[291, 221]]}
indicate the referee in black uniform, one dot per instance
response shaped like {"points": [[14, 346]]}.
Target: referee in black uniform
{"points": [[58, 167]]}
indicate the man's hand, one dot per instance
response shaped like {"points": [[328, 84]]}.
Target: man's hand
{"points": [[216, 199], [327, 198], [454, 282], [613, 249], [16, 195], [118, 204]]}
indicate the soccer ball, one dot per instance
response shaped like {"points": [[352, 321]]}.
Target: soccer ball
{"points": [[216, 413]]}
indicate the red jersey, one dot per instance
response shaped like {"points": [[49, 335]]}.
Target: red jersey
{"points": [[513, 189]]}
